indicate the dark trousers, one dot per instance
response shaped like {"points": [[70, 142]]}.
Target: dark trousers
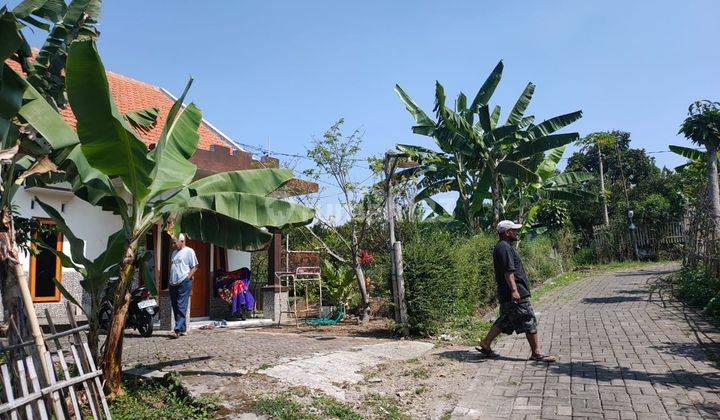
{"points": [[179, 296]]}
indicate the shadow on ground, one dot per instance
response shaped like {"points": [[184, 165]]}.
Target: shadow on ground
{"points": [[611, 299], [177, 362], [473, 356]]}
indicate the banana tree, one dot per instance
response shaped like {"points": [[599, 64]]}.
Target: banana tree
{"points": [[31, 132], [95, 272], [702, 126], [64, 23], [112, 167], [525, 199], [475, 154]]}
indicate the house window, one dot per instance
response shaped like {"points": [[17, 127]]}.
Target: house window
{"points": [[44, 265]]}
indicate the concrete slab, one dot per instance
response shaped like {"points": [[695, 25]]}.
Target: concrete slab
{"points": [[327, 372]]}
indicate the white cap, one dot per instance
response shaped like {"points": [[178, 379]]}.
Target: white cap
{"points": [[507, 225], [181, 237]]}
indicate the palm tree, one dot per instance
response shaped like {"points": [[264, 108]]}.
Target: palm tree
{"points": [[702, 126]]}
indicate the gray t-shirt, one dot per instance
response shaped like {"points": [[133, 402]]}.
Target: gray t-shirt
{"points": [[182, 261]]}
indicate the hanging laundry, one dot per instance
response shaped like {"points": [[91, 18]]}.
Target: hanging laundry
{"points": [[234, 288]]}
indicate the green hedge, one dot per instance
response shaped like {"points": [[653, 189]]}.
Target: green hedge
{"points": [[449, 276]]}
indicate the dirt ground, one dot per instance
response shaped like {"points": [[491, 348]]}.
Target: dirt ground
{"points": [[423, 387]]}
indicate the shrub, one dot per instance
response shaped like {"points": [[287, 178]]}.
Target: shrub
{"points": [[449, 276], [339, 285], [586, 255], [698, 288]]}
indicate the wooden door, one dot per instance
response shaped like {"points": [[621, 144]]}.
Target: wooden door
{"points": [[200, 295]]}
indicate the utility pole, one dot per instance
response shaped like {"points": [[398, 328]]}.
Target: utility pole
{"points": [[606, 218], [398, 279]]}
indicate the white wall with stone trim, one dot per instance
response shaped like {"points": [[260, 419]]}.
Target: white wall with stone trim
{"points": [[88, 222]]}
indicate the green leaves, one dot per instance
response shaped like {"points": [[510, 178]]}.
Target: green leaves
{"points": [[521, 105], [222, 231], [689, 153], [547, 167], [253, 209], [553, 124], [38, 113], [143, 118], [177, 144], [257, 181], [488, 88], [424, 125], [545, 143], [109, 145], [77, 245], [517, 171]]}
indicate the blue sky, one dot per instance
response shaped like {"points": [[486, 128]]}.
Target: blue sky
{"points": [[285, 70]]}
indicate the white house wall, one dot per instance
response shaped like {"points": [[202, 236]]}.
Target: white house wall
{"points": [[88, 222], [238, 259]]}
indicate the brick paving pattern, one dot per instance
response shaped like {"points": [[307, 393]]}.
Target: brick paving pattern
{"points": [[625, 352], [226, 351]]}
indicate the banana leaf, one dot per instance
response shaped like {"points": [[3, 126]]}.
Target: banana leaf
{"points": [[488, 87], [222, 231], [256, 181], [553, 124], [521, 105], [516, 170], [424, 125], [108, 143]]}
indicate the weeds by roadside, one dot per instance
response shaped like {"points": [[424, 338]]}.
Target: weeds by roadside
{"points": [[160, 399], [289, 406]]}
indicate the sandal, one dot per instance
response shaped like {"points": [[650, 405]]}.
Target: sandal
{"points": [[543, 358], [488, 353], [173, 335]]}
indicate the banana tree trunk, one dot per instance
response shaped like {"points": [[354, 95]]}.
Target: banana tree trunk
{"points": [[714, 188], [94, 324], [495, 189], [112, 358]]}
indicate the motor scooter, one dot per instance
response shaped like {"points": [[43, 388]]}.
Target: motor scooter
{"points": [[141, 311]]}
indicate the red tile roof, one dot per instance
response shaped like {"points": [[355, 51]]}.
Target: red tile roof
{"points": [[131, 94]]}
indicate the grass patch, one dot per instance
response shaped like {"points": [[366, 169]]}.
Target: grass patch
{"points": [[282, 407], [385, 407], [285, 407], [160, 398], [419, 373], [265, 366], [332, 408]]}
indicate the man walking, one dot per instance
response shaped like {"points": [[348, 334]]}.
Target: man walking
{"points": [[513, 292], [184, 263]]}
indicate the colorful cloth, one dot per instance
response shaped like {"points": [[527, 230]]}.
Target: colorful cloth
{"points": [[234, 288]]}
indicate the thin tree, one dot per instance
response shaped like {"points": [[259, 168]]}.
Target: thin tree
{"points": [[335, 155], [702, 126]]}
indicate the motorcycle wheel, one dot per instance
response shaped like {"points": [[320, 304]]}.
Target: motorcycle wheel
{"points": [[105, 317], [145, 324]]}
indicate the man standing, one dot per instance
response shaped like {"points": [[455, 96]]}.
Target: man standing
{"points": [[513, 292], [184, 263]]}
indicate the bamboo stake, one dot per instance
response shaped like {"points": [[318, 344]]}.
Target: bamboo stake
{"points": [[35, 330]]}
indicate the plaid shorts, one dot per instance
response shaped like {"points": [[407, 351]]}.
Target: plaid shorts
{"points": [[517, 317]]}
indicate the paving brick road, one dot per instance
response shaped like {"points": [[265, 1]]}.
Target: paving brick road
{"points": [[626, 352]]}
